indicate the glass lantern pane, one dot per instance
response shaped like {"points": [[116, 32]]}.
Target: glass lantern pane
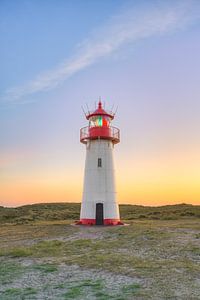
{"points": [[100, 123]]}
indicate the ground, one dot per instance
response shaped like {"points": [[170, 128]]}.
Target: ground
{"points": [[149, 259]]}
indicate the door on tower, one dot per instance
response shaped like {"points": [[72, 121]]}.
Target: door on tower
{"points": [[99, 213]]}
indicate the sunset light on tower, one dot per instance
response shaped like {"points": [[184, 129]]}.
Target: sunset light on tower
{"points": [[99, 205]]}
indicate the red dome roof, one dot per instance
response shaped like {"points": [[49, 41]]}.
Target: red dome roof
{"points": [[99, 112]]}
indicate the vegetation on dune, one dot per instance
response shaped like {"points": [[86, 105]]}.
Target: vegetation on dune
{"points": [[159, 251], [167, 212], [161, 257], [127, 249], [70, 211], [9, 271], [40, 212], [99, 291], [16, 293]]}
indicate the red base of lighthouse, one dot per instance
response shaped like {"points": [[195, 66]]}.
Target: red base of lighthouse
{"points": [[106, 222]]}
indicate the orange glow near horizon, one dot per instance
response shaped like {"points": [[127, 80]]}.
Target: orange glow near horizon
{"points": [[161, 181], [141, 181], [29, 191]]}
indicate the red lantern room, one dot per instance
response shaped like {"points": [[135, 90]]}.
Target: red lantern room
{"points": [[100, 126]]}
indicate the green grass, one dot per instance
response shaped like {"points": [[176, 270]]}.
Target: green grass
{"points": [[121, 252], [20, 252], [39, 212], [80, 289], [46, 268], [197, 236], [98, 289], [164, 253], [73, 292], [68, 290], [29, 214], [9, 271], [131, 289], [110, 256], [17, 293]]}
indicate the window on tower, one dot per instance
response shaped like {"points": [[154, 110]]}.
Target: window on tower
{"points": [[99, 163]]}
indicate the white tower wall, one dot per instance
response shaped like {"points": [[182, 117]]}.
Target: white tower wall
{"points": [[99, 182]]}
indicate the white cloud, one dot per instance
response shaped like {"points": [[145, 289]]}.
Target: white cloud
{"points": [[131, 25]]}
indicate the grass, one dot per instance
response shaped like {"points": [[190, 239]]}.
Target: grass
{"points": [[73, 293], [141, 248], [19, 252], [39, 212], [17, 293], [46, 268], [29, 214], [98, 289], [160, 248], [9, 271], [78, 289], [131, 289]]}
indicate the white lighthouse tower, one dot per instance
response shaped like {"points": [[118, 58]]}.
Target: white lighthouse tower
{"points": [[99, 205]]}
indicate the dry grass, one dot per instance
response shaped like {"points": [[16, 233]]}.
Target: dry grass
{"points": [[150, 259], [70, 211]]}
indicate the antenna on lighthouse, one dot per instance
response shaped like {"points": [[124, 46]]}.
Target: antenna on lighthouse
{"points": [[115, 111], [87, 108], [83, 111]]}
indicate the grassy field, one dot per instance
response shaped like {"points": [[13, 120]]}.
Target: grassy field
{"points": [[70, 211], [42, 256]]}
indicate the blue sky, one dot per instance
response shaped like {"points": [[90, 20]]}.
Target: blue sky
{"points": [[142, 56]]}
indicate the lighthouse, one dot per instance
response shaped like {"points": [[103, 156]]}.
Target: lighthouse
{"points": [[99, 205]]}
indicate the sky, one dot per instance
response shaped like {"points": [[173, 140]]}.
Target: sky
{"points": [[141, 56]]}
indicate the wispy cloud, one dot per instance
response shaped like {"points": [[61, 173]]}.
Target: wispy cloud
{"points": [[129, 26]]}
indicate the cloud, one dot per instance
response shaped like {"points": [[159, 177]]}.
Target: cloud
{"points": [[129, 26]]}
